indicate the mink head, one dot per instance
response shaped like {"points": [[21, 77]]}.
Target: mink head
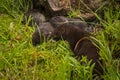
{"points": [[70, 33], [42, 32]]}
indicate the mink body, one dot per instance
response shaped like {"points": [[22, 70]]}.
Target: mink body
{"points": [[85, 47]]}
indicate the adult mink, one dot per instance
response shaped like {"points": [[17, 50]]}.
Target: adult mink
{"points": [[80, 43]]}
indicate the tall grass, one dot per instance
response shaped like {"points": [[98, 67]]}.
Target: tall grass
{"points": [[15, 7], [108, 40], [49, 61], [19, 60]]}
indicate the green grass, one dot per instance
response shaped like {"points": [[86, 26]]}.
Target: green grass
{"points": [[19, 60], [49, 61], [15, 7], [108, 40]]}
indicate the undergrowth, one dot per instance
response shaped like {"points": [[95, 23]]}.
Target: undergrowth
{"points": [[51, 60]]}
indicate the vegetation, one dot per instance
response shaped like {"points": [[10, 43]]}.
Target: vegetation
{"points": [[19, 60]]}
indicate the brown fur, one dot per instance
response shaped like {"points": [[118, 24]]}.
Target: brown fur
{"points": [[73, 34], [60, 20]]}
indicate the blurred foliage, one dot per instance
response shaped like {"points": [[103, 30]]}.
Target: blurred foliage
{"points": [[53, 60], [15, 7]]}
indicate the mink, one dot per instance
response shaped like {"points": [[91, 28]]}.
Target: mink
{"points": [[80, 43], [36, 18], [42, 33], [60, 20]]}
